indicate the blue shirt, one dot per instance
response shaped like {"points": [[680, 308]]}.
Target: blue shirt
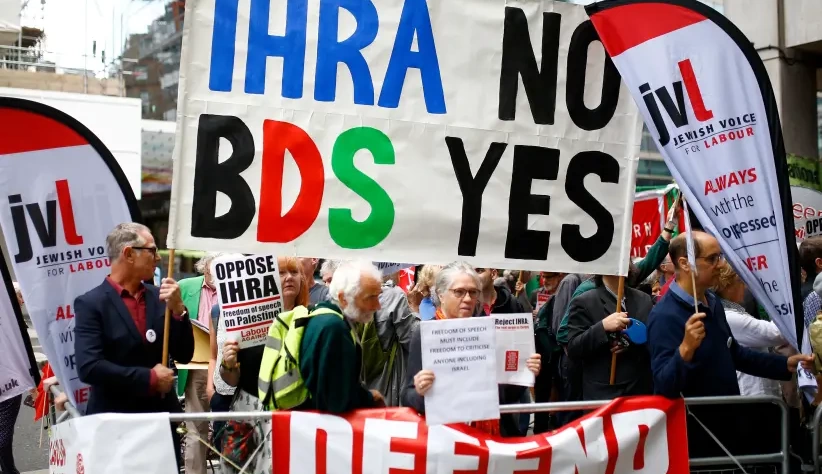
{"points": [[712, 370]]}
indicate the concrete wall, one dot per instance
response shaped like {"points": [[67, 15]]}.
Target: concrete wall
{"points": [[803, 21], [59, 82], [793, 74]]}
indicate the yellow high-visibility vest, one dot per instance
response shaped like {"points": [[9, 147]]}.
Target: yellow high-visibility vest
{"points": [[280, 385]]}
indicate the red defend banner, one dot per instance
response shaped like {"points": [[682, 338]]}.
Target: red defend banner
{"points": [[707, 100], [630, 435]]}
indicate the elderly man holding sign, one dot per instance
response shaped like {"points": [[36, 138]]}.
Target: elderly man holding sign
{"points": [[457, 290]]}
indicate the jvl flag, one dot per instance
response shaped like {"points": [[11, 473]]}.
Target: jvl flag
{"points": [[705, 95]]}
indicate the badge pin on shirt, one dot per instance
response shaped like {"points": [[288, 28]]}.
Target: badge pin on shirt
{"points": [[151, 336], [730, 341]]}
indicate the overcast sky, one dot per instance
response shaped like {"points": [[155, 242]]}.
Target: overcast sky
{"points": [[71, 26]]}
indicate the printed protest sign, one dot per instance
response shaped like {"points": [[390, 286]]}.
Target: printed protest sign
{"points": [[387, 268], [65, 193], [248, 289], [492, 132], [628, 435], [542, 298], [113, 442], [806, 191], [462, 355], [515, 344], [707, 100]]}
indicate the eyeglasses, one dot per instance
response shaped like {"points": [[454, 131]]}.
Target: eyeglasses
{"points": [[713, 259], [153, 250], [461, 292]]}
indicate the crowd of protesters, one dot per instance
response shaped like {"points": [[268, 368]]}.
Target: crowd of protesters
{"points": [[360, 345]]}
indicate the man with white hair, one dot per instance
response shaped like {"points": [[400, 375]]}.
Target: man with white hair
{"points": [[199, 295], [330, 352]]}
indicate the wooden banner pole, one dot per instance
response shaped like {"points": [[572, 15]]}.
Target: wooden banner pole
{"points": [[167, 324], [620, 292]]}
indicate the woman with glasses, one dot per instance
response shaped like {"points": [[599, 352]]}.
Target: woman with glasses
{"points": [[456, 293]]}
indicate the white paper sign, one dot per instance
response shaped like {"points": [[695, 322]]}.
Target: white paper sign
{"points": [[387, 268], [248, 289], [113, 442], [462, 355], [515, 344], [404, 131]]}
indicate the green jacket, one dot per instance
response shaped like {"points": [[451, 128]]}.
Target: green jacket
{"points": [[646, 266], [331, 365], [190, 289]]}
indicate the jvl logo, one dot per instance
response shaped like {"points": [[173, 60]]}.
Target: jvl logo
{"points": [[676, 111], [46, 227]]}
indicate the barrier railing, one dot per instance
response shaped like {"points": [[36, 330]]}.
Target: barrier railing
{"points": [[817, 462], [781, 457]]}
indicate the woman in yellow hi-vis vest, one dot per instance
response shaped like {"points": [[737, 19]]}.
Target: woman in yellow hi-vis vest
{"points": [[240, 368]]}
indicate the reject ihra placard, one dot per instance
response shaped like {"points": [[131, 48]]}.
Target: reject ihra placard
{"points": [[495, 132]]}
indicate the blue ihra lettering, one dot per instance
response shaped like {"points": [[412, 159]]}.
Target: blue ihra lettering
{"points": [[415, 21]]}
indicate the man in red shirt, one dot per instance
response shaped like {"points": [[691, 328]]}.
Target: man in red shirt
{"points": [[119, 330]]}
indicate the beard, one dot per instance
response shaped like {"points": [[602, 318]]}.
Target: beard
{"points": [[354, 314]]}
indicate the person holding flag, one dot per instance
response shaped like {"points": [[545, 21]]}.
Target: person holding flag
{"points": [[693, 352]]}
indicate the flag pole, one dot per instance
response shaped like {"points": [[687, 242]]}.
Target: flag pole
{"points": [[167, 324], [620, 292], [519, 279]]}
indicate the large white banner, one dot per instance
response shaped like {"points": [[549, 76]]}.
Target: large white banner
{"points": [[495, 132], [708, 102], [113, 442], [16, 365], [63, 193]]}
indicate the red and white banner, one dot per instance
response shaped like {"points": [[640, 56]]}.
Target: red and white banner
{"points": [[706, 97], [633, 435], [113, 442], [64, 192], [647, 221]]}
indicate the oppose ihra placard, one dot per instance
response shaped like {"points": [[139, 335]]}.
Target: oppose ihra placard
{"points": [[495, 132], [248, 289]]}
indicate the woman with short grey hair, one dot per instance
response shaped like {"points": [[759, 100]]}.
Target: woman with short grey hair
{"points": [[456, 294]]}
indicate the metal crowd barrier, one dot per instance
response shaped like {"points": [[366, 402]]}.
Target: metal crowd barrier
{"points": [[782, 457], [817, 462]]}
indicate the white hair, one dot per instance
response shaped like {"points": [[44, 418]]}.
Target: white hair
{"points": [[445, 278], [205, 262], [329, 266], [347, 278], [124, 235]]}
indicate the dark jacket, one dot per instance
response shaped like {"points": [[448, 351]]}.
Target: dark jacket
{"points": [[589, 345], [113, 358], [712, 371], [410, 398], [506, 303], [331, 365]]}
